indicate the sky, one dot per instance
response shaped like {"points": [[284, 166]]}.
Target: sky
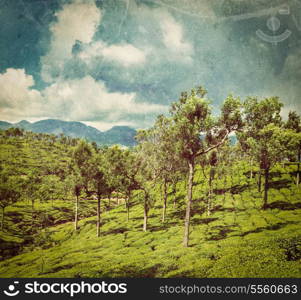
{"points": [[123, 62]]}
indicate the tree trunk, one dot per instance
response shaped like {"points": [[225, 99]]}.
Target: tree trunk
{"points": [[298, 170], [189, 202], [266, 188], [174, 190], [209, 201], [2, 220], [98, 216], [145, 215], [259, 181], [211, 176], [164, 201], [76, 214], [127, 206], [109, 202], [127, 212]]}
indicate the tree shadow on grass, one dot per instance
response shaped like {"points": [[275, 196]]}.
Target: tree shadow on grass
{"points": [[115, 231], [283, 205], [197, 211], [178, 214], [164, 226], [63, 209], [236, 189], [270, 227], [226, 209], [136, 218], [276, 174], [222, 234], [280, 184], [94, 222], [198, 182], [205, 221]]}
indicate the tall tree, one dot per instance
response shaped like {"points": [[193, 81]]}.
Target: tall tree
{"points": [[265, 135], [82, 157], [32, 182], [100, 181], [156, 144], [127, 170], [145, 182], [294, 123], [113, 159], [50, 188], [195, 133]]}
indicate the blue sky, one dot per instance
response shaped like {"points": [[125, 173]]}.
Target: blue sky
{"points": [[122, 62]]}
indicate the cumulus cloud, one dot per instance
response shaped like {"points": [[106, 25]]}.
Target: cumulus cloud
{"points": [[86, 99], [76, 21], [173, 37], [16, 96], [124, 54], [82, 99], [101, 63]]}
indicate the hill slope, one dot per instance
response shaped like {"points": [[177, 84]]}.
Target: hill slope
{"points": [[240, 242], [238, 238], [122, 135]]}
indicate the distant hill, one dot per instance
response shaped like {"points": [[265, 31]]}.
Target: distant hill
{"points": [[122, 135]]}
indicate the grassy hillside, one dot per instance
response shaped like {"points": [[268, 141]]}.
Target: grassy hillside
{"points": [[238, 238]]}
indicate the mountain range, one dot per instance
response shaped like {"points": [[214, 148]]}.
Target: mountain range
{"points": [[122, 135]]}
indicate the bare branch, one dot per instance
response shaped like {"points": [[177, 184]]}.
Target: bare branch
{"points": [[214, 146]]}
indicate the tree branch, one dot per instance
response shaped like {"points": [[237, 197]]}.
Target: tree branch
{"points": [[214, 146]]}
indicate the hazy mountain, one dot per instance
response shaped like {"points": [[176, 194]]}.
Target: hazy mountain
{"points": [[122, 135], [4, 125]]}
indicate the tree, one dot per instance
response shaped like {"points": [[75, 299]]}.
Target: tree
{"points": [[156, 144], [124, 167], [112, 159], [100, 184], [145, 182], [82, 157], [16, 132], [83, 161], [294, 123], [195, 133], [265, 135], [213, 160], [50, 188], [32, 182]]}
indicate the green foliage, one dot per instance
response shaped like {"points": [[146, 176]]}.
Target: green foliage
{"points": [[70, 180]]}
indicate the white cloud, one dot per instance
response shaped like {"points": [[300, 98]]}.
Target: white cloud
{"points": [[86, 99], [16, 96], [78, 100], [124, 54], [173, 37], [76, 21]]}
